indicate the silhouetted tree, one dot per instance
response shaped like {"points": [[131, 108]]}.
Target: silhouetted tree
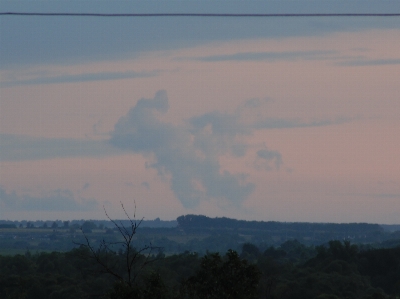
{"points": [[128, 264]]}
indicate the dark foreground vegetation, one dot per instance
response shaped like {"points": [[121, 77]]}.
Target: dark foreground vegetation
{"points": [[198, 257], [292, 270]]}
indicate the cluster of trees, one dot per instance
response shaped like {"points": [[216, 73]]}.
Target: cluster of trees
{"points": [[310, 233], [191, 232], [292, 270], [98, 224]]}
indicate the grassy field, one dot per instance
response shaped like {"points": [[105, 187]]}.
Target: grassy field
{"points": [[20, 240], [187, 238]]}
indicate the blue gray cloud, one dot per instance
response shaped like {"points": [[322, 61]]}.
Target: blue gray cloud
{"points": [[379, 196], [185, 153], [268, 160], [368, 62], [188, 154], [86, 77], [279, 123], [215, 133], [57, 200], [72, 40], [335, 56], [17, 147], [270, 56]]}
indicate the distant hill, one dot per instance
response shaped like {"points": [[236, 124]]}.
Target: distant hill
{"points": [[192, 233], [273, 231], [203, 222], [391, 227]]}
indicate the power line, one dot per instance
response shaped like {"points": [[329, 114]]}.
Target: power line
{"points": [[274, 15]]}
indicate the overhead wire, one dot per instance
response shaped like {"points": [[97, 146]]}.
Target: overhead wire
{"points": [[73, 14]]}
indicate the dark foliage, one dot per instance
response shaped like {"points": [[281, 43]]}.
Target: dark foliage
{"points": [[229, 277], [337, 270]]}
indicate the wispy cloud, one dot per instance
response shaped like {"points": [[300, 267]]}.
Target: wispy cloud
{"points": [[269, 56], [86, 77], [16, 147], [378, 195], [57, 200], [279, 123], [368, 62], [335, 56]]}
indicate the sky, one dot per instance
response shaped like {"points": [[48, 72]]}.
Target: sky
{"points": [[268, 119]]}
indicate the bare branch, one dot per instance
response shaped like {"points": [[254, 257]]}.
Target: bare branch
{"points": [[135, 260]]}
